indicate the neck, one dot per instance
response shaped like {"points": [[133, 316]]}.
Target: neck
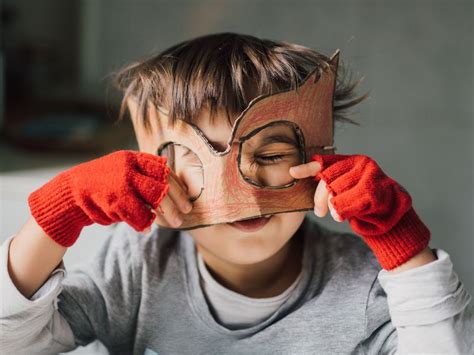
{"points": [[267, 278]]}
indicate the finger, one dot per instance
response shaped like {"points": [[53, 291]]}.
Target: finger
{"points": [[159, 219], [178, 180], [178, 195], [305, 170], [169, 212], [333, 211], [321, 199]]}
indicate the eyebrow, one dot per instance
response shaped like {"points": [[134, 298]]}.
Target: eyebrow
{"points": [[279, 139]]}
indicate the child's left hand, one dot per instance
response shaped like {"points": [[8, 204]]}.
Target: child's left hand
{"points": [[355, 188]]}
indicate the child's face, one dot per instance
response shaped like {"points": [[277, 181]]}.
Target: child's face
{"points": [[224, 240]]}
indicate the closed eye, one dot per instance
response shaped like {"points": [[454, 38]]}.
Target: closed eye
{"points": [[270, 158]]}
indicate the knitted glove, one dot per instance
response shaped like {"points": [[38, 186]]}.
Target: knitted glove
{"points": [[121, 186], [376, 206]]}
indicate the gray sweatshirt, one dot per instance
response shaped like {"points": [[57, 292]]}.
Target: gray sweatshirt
{"points": [[141, 294]]}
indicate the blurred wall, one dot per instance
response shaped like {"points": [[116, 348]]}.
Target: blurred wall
{"points": [[417, 60], [41, 40]]}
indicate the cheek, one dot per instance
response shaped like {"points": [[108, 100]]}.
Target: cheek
{"points": [[286, 224], [292, 220]]}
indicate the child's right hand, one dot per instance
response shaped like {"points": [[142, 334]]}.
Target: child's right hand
{"points": [[121, 186]]}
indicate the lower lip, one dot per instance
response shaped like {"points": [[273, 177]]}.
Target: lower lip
{"points": [[251, 225]]}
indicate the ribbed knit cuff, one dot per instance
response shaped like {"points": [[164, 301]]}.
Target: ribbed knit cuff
{"points": [[408, 238], [54, 209]]}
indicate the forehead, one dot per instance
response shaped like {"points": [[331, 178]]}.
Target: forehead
{"points": [[217, 130]]}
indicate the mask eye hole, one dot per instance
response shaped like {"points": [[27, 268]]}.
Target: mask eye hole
{"points": [[267, 153], [186, 165]]}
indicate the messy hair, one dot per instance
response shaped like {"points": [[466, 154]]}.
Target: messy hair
{"points": [[225, 71]]}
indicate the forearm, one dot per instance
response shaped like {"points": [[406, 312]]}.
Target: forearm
{"points": [[32, 258], [424, 257]]}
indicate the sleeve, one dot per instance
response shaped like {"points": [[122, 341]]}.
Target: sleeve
{"points": [[32, 326], [92, 301], [429, 308]]}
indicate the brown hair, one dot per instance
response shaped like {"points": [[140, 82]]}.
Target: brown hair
{"points": [[225, 70]]}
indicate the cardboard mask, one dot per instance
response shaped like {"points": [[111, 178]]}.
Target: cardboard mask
{"points": [[250, 177]]}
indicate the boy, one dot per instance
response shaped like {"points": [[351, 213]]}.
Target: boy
{"points": [[234, 266]]}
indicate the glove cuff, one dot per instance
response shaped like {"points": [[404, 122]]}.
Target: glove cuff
{"points": [[54, 208], [405, 240]]}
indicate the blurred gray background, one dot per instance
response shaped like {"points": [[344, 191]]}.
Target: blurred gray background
{"points": [[416, 58]]}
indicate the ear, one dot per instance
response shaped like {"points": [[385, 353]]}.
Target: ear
{"points": [[334, 60]]}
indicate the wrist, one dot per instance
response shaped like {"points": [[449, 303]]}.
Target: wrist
{"points": [[426, 256]]}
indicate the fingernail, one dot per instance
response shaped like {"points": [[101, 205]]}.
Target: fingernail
{"points": [[316, 165]]}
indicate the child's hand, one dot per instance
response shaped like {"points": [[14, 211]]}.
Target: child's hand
{"points": [[121, 186], [380, 210], [322, 196], [171, 209]]}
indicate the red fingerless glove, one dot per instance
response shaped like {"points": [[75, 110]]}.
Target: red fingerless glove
{"points": [[376, 206], [121, 186]]}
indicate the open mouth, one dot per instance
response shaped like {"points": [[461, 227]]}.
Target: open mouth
{"points": [[251, 225]]}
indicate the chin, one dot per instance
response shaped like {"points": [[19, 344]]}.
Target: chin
{"points": [[246, 248], [251, 253]]}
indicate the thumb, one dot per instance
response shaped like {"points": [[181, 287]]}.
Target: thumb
{"points": [[305, 170]]}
